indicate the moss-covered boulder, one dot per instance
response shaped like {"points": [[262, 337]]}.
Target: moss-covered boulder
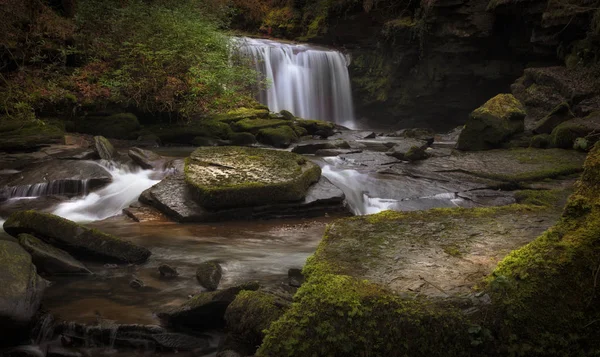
{"points": [[117, 126], [104, 148], [238, 114], [251, 313], [319, 128], [51, 260], [186, 133], [236, 176], [255, 125], [74, 238], [409, 150], [21, 292], [242, 139], [558, 115], [280, 137], [564, 135], [205, 310], [492, 124], [23, 136]]}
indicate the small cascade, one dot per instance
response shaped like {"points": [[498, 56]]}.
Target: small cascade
{"points": [[126, 186], [308, 81], [58, 187]]}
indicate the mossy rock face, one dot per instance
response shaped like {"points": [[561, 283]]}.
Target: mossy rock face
{"points": [[17, 136], [280, 137], [287, 115], [185, 134], [320, 128], [75, 238], [242, 139], [243, 113], [541, 141], [492, 124], [255, 125], [236, 176], [118, 126], [564, 135], [559, 115], [21, 291], [544, 292], [251, 313], [104, 148], [51, 260], [209, 275], [205, 310]]}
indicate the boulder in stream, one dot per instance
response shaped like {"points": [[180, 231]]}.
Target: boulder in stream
{"points": [[205, 310], [75, 238], [104, 148], [51, 260], [148, 160], [21, 292], [209, 274], [410, 150], [225, 177]]}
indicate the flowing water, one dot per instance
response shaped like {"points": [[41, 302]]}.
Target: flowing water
{"points": [[309, 81]]}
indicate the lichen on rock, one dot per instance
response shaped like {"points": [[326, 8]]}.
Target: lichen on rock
{"points": [[237, 176]]}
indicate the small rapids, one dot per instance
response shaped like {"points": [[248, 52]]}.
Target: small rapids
{"points": [[126, 187]]}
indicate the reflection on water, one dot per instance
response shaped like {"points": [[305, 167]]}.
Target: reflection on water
{"points": [[258, 250]]}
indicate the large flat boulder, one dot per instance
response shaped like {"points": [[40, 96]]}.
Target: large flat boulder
{"points": [[492, 124], [57, 177], [22, 136], [174, 197], [74, 238], [51, 260], [225, 177], [21, 291]]}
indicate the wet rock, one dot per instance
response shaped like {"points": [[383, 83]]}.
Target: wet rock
{"points": [[147, 159], [254, 176], [370, 136], [173, 197], [279, 137], [181, 342], [74, 238], [54, 351], [104, 148], [251, 313], [242, 139], [140, 212], [205, 310], [60, 177], [228, 353], [51, 260], [492, 124], [21, 292], [336, 152], [209, 275], [424, 134], [312, 148], [42, 203], [295, 277], [558, 115], [287, 115], [323, 129], [167, 271], [409, 150], [24, 351], [565, 134], [136, 283], [205, 141]]}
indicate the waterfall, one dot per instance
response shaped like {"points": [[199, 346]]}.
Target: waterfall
{"points": [[310, 82]]}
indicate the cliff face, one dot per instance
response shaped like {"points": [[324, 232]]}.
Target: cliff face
{"points": [[430, 63]]}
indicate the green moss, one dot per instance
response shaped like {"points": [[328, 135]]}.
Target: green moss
{"points": [[280, 137], [316, 127], [251, 313], [564, 135], [19, 135], [545, 292], [118, 126], [238, 176], [242, 139], [243, 113], [255, 125], [546, 198], [337, 315], [540, 141], [185, 134]]}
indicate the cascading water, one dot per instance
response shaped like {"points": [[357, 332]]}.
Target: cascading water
{"points": [[308, 81], [126, 187]]}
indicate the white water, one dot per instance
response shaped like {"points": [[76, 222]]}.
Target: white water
{"points": [[126, 187], [310, 82]]}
